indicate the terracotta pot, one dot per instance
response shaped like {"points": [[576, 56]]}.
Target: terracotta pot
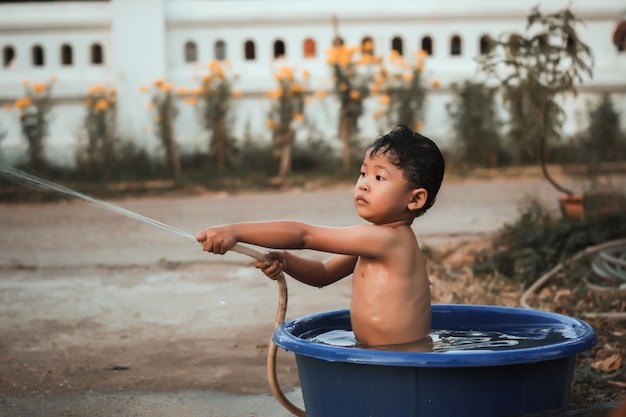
{"points": [[572, 206]]}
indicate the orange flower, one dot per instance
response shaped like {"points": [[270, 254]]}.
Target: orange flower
{"points": [[237, 94], [101, 105], [320, 94], [191, 100], [39, 87], [419, 125], [95, 89], [386, 99], [23, 102], [355, 95], [269, 123], [181, 91], [298, 117], [159, 82], [435, 83]]}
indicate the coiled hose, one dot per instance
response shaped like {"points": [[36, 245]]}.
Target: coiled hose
{"points": [[273, 349]]}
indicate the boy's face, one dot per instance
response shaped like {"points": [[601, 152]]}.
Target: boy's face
{"points": [[382, 195]]}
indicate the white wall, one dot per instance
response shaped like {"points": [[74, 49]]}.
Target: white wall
{"points": [[144, 40]]}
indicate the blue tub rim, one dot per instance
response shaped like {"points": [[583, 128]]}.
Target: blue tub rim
{"points": [[285, 336]]}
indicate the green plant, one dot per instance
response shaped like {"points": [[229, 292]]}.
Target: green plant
{"points": [[287, 109], [537, 241], [536, 69], [352, 80], [403, 92], [164, 106], [99, 154], [476, 125], [604, 140], [213, 100], [34, 112]]}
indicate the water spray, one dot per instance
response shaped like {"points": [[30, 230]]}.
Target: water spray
{"points": [[43, 185]]}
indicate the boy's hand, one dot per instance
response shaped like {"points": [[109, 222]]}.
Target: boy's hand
{"points": [[216, 240], [274, 266]]}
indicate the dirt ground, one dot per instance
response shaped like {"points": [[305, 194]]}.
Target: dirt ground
{"points": [[94, 302]]}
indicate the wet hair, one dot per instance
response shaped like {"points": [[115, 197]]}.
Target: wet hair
{"points": [[418, 157]]}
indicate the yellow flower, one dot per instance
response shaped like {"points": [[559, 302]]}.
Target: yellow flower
{"points": [[386, 99], [320, 94], [435, 83], [23, 102], [181, 91], [269, 123], [167, 87], [355, 95], [95, 89], [101, 105], [298, 117], [237, 94], [275, 93], [298, 88], [159, 82], [39, 87]]}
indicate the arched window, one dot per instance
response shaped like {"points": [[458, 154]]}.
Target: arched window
{"points": [[191, 52], [427, 45], [619, 36], [367, 46], [38, 56], [279, 49], [97, 56], [67, 56], [455, 45], [220, 50], [309, 48], [8, 56], [485, 44], [396, 45], [249, 51]]}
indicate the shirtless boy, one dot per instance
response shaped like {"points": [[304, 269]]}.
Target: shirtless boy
{"points": [[400, 177]]}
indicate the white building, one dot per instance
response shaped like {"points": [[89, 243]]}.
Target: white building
{"points": [[126, 44]]}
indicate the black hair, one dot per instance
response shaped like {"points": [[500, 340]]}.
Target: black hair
{"points": [[418, 157]]}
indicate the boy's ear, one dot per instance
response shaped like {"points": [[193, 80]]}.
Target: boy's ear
{"points": [[418, 199]]}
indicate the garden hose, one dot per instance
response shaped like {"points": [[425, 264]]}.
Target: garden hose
{"points": [[273, 349], [611, 257]]}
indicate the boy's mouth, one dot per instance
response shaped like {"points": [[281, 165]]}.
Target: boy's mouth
{"points": [[360, 200]]}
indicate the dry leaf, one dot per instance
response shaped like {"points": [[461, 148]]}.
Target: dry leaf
{"points": [[609, 364]]}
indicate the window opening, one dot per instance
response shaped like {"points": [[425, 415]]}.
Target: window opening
{"points": [[8, 56], [38, 56], [279, 49], [97, 56], [191, 52], [455, 45], [309, 48], [249, 51], [66, 55], [220, 50], [427, 45], [396, 45]]}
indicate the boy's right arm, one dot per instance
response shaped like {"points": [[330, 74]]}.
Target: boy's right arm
{"points": [[312, 271]]}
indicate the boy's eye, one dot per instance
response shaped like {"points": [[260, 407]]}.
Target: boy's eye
{"points": [[362, 174], [379, 178]]}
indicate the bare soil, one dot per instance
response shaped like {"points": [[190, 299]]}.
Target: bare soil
{"points": [[91, 301]]}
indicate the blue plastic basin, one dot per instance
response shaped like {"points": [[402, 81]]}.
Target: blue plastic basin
{"points": [[348, 381]]}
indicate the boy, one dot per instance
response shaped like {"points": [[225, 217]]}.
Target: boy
{"points": [[400, 177]]}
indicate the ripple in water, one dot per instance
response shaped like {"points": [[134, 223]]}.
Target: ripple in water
{"points": [[450, 341]]}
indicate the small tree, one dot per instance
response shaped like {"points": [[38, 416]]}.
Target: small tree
{"points": [[352, 85], [213, 103], [100, 125], [537, 69], [476, 125], [34, 110], [287, 109], [604, 140], [402, 89], [164, 106]]}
